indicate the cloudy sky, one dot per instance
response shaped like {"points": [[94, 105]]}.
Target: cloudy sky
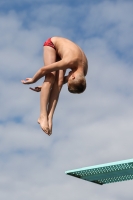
{"points": [[91, 128]]}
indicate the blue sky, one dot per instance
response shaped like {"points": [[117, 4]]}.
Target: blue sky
{"points": [[88, 129]]}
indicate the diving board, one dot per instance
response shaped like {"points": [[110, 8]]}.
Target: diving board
{"points": [[105, 173]]}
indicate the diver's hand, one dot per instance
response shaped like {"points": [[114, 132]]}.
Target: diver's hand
{"points": [[27, 81], [36, 89]]}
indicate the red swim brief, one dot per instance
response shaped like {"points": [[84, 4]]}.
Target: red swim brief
{"points": [[49, 43]]}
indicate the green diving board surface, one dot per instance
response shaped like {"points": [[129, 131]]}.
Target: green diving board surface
{"points": [[105, 173]]}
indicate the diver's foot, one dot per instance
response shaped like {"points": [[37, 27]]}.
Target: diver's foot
{"points": [[50, 126], [44, 124]]}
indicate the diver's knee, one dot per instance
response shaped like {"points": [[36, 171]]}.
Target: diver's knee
{"points": [[50, 78], [60, 83]]}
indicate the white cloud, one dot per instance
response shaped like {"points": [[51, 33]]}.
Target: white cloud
{"points": [[111, 22]]}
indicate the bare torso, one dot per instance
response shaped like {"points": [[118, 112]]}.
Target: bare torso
{"points": [[74, 55]]}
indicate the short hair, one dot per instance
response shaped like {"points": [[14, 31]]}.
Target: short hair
{"points": [[78, 85]]}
